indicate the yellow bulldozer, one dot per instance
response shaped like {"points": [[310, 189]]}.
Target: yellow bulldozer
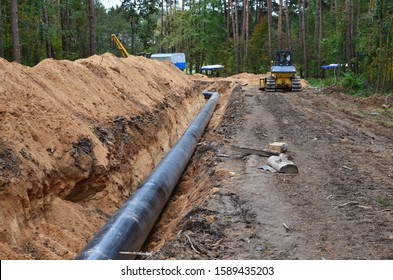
{"points": [[282, 74]]}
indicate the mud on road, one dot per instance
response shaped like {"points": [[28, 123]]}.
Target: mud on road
{"points": [[339, 205]]}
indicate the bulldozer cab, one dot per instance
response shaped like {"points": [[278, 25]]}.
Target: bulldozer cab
{"points": [[283, 58], [283, 63]]}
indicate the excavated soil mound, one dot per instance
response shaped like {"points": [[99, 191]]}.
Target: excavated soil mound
{"points": [[76, 139]]}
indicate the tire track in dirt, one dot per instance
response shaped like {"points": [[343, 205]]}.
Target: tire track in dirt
{"points": [[339, 206]]}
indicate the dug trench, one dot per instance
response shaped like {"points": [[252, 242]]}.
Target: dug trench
{"points": [[339, 205]]}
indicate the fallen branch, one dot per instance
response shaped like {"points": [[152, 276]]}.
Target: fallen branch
{"points": [[347, 167], [192, 245], [346, 204], [247, 150], [365, 207], [223, 155], [286, 227]]}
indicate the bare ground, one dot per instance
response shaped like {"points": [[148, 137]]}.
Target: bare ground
{"points": [[339, 205]]}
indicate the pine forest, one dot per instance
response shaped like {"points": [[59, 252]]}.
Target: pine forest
{"points": [[242, 35]]}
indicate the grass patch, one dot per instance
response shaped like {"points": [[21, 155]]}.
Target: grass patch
{"points": [[386, 112], [388, 116], [321, 83], [383, 201], [350, 83]]}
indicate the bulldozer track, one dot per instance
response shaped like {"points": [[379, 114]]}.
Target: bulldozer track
{"points": [[296, 84], [270, 84]]}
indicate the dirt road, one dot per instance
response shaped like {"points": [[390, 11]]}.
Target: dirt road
{"points": [[339, 205]]}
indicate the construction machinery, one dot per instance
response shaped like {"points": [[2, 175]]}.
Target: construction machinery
{"points": [[282, 74], [120, 47]]}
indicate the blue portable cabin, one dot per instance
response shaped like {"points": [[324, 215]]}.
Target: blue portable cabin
{"points": [[178, 59]]}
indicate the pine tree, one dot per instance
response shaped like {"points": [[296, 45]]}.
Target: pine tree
{"points": [[92, 28], [15, 31]]}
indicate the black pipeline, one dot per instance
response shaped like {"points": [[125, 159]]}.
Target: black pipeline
{"points": [[129, 227]]}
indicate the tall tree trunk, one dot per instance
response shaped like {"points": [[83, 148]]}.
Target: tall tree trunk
{"points": [[269, 21], [317, 39], [348, 36], [247, 30], [92, 28], [300, 49], [235, 26], [280, 26], [380, 57], [171, 31], [162, 25], [316, 23], [245, 33], [46, 30], [99, 34], [304, 36], [167, 18], [385, 50], [320, 40], [15, 31], [174, 16], [288, 25], [337, 13], [244, 24], [388, 53], [355, 19], [1, 32], [65, 27], [353, 33], [227, 7], [132, 35], [239, 50]]}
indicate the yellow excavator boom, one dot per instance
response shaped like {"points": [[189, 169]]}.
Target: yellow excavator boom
{"points": [[120, 47]]}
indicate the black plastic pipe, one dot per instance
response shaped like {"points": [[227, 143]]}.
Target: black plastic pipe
{"points": [[129, 227]]}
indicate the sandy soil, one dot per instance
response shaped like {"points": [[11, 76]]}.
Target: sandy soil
{"points": [[339, 205]]}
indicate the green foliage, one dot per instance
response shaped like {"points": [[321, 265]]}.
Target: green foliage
{"points": [[353, 82], [259, 56], [202, 32], [199, 33], [386, 112], [383, 201], [321, 83]]}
